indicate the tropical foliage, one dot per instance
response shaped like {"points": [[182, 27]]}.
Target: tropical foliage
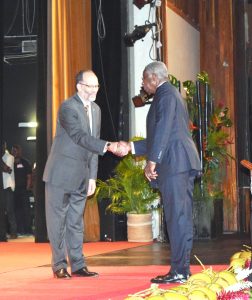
{"points": [[128, 189], [215, 138]]}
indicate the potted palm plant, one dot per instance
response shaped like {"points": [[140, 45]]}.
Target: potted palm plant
{"points": [[130, 193]]}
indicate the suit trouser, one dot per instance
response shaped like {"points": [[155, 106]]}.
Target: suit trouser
{"points": [[22, 210], [10, 210], [177, 197], [2, 218], [64, 219]]}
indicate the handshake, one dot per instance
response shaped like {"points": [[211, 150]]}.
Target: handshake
{"points": [[121, 148]]}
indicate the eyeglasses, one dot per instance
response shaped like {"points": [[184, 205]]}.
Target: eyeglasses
{"points": [[90, 86]]}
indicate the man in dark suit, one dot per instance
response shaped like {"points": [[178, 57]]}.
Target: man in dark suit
{"points": [[70, 175], [172, 164]]}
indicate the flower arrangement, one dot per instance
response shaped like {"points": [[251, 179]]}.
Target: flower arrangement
{"points": [[216, 155], [208, 127]]}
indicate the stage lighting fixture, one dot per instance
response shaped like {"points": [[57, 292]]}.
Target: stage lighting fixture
{"points": [[140, 3], [138, 33], [142, 98]]}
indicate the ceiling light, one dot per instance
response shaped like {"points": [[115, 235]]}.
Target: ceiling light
{"points": [[28, 124]]}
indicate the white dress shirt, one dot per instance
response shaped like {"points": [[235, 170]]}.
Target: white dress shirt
{"points": [[8, 179]]}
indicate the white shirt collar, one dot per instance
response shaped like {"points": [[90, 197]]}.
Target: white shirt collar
{"points": [[161, 83], [85, 102]]}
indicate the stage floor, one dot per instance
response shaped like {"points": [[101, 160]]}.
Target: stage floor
{"points": [[215, 251], [124, 268]]}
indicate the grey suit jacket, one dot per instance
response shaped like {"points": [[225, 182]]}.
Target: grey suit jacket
{"points": [[73, 158], [169, 142]]}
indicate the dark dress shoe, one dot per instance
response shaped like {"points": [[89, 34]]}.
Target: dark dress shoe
{"points": [[171, 277], [84, 273], [13, 236], [62, 274]]}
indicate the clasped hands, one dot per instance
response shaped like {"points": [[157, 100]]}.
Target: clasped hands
{"points": [[122, 148]]}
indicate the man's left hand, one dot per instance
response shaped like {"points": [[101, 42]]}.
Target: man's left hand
{"points": [[149, 170]]}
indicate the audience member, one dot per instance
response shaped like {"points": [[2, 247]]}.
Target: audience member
{"points": [[8, 189], [2, 209], [23, 183]]}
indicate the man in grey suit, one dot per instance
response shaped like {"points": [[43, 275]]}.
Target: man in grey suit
{"points": [[172, 164], [70, 175]]}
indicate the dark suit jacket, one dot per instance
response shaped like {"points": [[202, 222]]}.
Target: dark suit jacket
{"points": [[169, 142], [74, 154]]}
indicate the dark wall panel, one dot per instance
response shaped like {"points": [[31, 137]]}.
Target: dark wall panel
{"points": [[109, 60], [19, 73], [19, 105]]}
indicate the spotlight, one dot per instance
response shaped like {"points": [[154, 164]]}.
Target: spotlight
{"points": [[138, 33], [140, 3], [142, 98]]}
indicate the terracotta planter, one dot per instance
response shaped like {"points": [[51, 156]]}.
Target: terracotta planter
{"points": [[139, 227]]}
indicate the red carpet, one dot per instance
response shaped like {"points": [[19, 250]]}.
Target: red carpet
{"points": [[114, 283], [21, 255], [25, 274]]}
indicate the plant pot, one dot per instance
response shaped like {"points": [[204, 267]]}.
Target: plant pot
{"points": [[139, 227]]}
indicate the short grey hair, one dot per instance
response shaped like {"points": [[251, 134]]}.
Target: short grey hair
{"points": [[158, 68]]}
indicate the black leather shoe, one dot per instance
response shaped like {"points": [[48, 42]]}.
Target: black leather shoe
{"points": [[62, 274], [84, 273], [171, 277], [13, 236]]}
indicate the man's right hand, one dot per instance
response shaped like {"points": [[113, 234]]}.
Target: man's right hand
{"points": [[119, 148], [124, 148], [5, 168]]}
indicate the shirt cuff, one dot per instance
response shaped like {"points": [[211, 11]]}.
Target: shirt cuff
{"points": [[105, 149], [132, 148]]}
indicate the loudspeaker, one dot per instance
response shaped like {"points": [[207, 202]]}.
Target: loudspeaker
{"points": [[112, 227]]}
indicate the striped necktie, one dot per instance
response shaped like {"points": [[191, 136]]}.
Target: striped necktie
{"points": [[87, 111]]}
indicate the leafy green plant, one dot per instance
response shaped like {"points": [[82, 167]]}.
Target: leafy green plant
{"points": [[128, 189], [216, 155]]}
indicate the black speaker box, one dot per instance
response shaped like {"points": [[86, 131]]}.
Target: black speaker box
{"points": [[112, 227]]}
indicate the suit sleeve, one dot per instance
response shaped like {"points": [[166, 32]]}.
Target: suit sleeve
{"points": [[164, 118], [140, 147], [69, 120]]}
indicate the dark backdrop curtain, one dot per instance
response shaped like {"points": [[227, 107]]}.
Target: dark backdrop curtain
{"points": [[2, 215], [41, 149], [109, 61]]}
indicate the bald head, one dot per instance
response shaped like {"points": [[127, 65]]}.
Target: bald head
{"points": [[87, 85]]}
